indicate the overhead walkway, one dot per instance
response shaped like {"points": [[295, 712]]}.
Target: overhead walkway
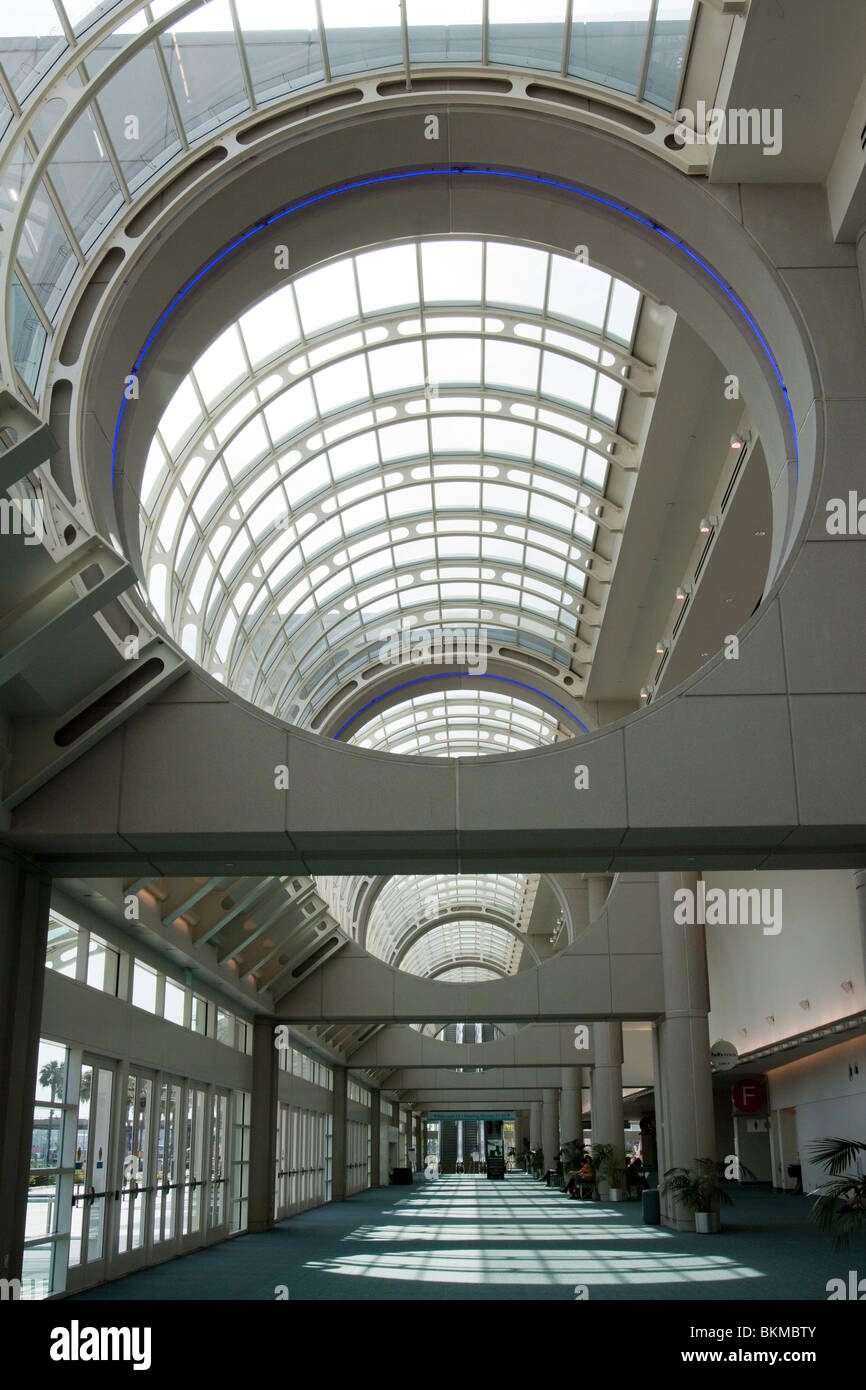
{"points": [[467, 1238]]}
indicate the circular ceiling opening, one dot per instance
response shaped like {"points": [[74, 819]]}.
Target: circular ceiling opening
{"points": [[416, 462]]}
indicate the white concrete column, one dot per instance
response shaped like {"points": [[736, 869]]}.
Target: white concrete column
{"points": [[684, 1043], [571, 1105], [860, 880], [550, 1125], [606, 1085], [535, 1125]]}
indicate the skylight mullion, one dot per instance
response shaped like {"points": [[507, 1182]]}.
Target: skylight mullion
{"points": [[323, 42], [404, 42], [687, 49], [566, 38], [645, 58], [243, 58], [68, 31], [173, 103], [113, 160]]}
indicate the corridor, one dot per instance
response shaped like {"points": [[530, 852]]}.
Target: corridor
{"points": [[464, 1237]]}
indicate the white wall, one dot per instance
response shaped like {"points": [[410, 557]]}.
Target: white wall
{"points": [[756, 977], [753, 976], [829, 1103]]}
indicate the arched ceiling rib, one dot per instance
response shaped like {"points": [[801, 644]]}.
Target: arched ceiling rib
{"points": [[416, 437]]}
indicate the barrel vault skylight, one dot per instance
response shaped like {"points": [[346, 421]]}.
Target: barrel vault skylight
{"points": [[415, 436], [70, 171], [428, 924], [459, 723]]}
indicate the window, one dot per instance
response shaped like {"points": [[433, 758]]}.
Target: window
{"points": [[198, 1017], [144, 981], [62, 953], [175, 1001], [225, 1027], [102, 965], [79, 955], [45, 1231]]}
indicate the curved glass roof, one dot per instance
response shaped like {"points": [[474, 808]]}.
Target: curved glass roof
{"points": [[466, 975], [413, 439], [181, 76], [453, 942], [459, 723], [407, 903]]}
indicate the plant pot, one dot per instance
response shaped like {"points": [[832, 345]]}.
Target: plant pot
{"points": [[707, 1223], [616, 1194]]}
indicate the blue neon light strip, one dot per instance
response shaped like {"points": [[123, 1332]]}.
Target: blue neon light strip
{"points": [[438, 173], [451, 676]]}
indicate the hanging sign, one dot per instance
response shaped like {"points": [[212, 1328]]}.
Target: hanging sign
{"points": [[723, 1055]]}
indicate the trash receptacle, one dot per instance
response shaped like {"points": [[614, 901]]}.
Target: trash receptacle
{"points": [[652, 1215]]}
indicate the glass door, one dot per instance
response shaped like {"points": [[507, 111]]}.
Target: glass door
{"points": [[195, 1186], [217, 1193], [137, 1174], [283, 1176], [91, 1192], [168, 1196]]}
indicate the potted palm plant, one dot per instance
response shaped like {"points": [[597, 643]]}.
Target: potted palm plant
{"points": [[611, 1169], [698, 1190], [840, 1208], [600, 1156]]}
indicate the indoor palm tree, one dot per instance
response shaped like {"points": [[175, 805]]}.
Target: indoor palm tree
{"points": [[697, 1190], [840, 1207], [611, 1169]]}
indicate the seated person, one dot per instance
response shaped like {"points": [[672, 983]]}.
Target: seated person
{"points": [[584, 1182]]}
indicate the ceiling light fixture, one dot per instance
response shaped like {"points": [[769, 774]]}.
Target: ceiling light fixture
{"points": [[739, 440], [682, 593], [662, 646], [804, 1004], [645, 692], [707, 523]]}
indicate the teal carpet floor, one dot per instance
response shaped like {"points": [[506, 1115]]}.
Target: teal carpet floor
{"points": [[466, 1238]]}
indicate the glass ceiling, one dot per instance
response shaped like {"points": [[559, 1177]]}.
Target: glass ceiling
{"points": [[417, 436], [459, 723], [467, 975], [453, 942], [407, 902], [186, 78]]}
